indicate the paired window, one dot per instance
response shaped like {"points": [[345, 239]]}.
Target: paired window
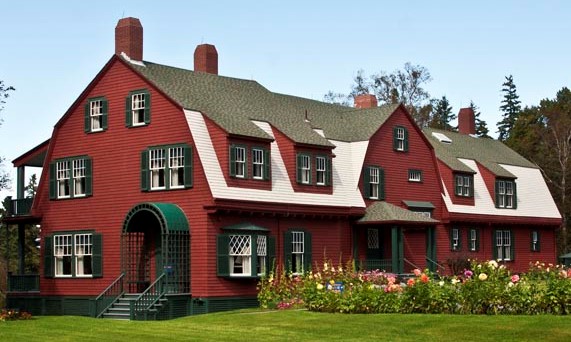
{"points": [[96, 110], [244, 255], [138, 108], [239, 162], [455, 239], [474, 240], [400, 139], [534, 241], [166, 167], [73, 254], [70, 177], [414, 175], [374, 183], [464, 185], [297, 251], [506, 194], [503, 245], [322, 169]]}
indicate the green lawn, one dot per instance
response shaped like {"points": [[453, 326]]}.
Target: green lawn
{"points": [[252, 325]]}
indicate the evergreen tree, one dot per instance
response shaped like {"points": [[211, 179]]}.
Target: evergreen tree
{"points": [[481, 125], [442, 115], [510, 108]]}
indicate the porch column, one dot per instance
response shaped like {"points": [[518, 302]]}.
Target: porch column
{"points": [[355, 248], [21, 248], [20, 182], [397, 250]]}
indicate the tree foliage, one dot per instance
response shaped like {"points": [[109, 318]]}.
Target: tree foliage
{"points": [[511, 106], [481, 126], [441, 114], [4, 94], [404, 86], [543, 135]]}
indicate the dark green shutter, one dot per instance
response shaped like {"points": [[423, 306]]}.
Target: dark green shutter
{"points": [[254, 255], [497, 195], [49, 270], [395, 138], [147, 107], [88, 177], [53, 185], [405, 139], [307, 252], [471, 186], [104, 114], [87, 118], [128, 112], [232, 160], [267, 164], [494, 245], [477, 239], [271, 255], [328, 169], [515, 195], [512, 245], [381, 184], [245, 162], [367, 182], [97, 255], [188, 174], [287, 250], [298, 172], [223, 263], [145, 170], [451, 237]]}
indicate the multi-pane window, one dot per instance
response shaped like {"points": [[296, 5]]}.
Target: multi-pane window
{"points": [[464, 186], [400, 139], [240, 252], [138, 108], [257, 163], [63, 255], [455, 239], [95, 115], [506, 194], [240, 162], [414, 176], [503, 245], [320, 170], [70, 177], [167, 167], [372, 238], [473, 240], [83, 251], [374, 181], [262, 253], [535, 241], [74, 254], [305, 169], [297, 252]]}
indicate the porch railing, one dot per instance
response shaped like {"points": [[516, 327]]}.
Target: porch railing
{"points": [[431, 262], [108, 296], [376, 264], [23, 282], [19, 207], [142, 306]]}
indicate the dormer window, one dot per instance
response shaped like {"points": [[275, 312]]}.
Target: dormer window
{"points": [[506, 197], [400, 139], [96, 115], [238, 161], [303, 168], [464, 185], [138, 108]]}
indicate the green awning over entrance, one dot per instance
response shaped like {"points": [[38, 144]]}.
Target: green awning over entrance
{"points": [[170, 216]]}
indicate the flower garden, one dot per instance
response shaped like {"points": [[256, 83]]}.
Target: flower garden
{"points": [[484, 288]]}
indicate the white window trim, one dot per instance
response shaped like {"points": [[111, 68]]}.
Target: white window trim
{"points": [[503, 245], [245, 252], [136, 100], [157, 162], [78, 173], [400, 138], [96, 115], [320, 170], [455, 239], [305, 169], [257, 163], [473, 239], [240, 161], [176, 164], [63, 175], [415, 176], [298, 250], [374, 182]]}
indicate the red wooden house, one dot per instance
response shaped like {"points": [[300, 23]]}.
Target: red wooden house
{"points": [[167, 192]]}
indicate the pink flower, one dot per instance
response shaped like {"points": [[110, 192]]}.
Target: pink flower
{"points": [[468, 273], [410, 282], [417, 272], [515, 278], [424, 278]]}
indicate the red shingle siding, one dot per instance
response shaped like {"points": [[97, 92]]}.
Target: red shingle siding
{"points": [[116, 155], [414, 246]]}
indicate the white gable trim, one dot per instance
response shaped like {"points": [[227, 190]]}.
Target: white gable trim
{"points": [[347, 166]]}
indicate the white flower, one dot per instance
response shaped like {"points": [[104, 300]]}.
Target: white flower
{"points": [[441, 283], [455, 281], [493, 263]]}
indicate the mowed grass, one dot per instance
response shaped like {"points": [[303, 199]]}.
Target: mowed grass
{"points": [[254, 325]]}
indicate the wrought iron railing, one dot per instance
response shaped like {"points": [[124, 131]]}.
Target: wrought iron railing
{"points": [[411, 264], [23, 282], [141, 307], [376, 264], [108, 296], [430, 262], [19, 207]]}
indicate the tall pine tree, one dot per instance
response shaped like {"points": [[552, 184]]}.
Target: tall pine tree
{"points": [[442, 115], [481, 125], [511, 106]]}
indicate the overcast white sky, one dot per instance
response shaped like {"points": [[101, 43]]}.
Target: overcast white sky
{"points": [[51, 50]]}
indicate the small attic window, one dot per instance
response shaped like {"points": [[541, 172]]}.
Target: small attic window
{"points": [[442, 138]]}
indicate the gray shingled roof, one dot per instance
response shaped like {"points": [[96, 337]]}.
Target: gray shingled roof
{"points": [[233, 103], [488, 152], [380, 212]]}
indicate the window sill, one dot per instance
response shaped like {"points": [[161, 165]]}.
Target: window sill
{"points": [[239, 276]]}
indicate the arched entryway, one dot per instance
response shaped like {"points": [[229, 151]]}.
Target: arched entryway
{"points": [[156, 240]]}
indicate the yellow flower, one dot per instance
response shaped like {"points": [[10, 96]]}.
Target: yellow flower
{"points": [[320, 286], [332, 282], [325, 267], [483, 276]]}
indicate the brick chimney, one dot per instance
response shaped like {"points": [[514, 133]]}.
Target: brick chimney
{"points": [[129, 38], [365, 101], [206, 59], [466, 121]]}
